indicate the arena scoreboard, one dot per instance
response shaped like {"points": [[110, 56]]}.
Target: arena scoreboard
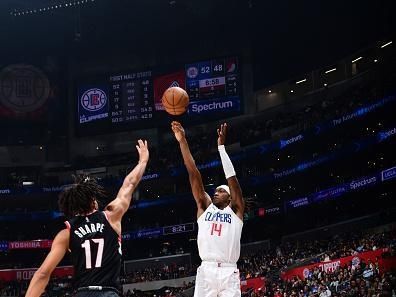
{"points": [[133, 99], [124, 98]]}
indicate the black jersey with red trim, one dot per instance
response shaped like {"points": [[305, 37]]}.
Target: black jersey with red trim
{"points": [[95, 250]]}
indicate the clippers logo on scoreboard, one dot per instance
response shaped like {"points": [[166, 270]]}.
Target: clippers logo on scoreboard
{"points": [[192, 72], [93, 105], [93, 99]]}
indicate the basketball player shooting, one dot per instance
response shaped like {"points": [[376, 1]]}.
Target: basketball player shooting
{"points": [[220, 221], [93, 237]]}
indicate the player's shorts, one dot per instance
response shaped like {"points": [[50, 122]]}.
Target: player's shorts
{"points": [[217, 280]]}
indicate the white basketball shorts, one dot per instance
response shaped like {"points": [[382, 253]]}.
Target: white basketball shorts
{"points": [[217, 280]]}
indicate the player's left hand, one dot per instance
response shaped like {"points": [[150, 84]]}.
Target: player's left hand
{"points": [[178, 130], [143, 151], [222, 132]]}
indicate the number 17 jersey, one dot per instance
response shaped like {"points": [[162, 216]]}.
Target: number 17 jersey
{"points": [[95, 251], [219, 235]]}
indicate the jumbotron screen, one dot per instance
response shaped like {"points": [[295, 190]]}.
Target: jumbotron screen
{"points": [[121, 101]]}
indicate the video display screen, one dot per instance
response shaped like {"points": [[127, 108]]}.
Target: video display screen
{"points": [[122, 101]]}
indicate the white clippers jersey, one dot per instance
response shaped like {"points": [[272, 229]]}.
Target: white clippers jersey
{"points": [[219, 235]]}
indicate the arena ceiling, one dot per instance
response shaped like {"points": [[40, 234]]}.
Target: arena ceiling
{"points": [[52, 21], [281, 32]]}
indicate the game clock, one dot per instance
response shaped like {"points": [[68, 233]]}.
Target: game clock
{"points": [[169, 230]]}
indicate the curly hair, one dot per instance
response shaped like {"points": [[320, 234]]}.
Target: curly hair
{"points": [[80, 197]]}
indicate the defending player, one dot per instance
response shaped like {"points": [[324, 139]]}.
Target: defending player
{"points": [[220, 221], [92, 236]]}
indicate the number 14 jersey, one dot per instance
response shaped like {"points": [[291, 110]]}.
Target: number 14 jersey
{"points": [[219, 235], [95, 250]]}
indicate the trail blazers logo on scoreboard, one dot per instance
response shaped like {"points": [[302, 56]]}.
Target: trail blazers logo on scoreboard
{"points": [[162, 83], [93, 104]]}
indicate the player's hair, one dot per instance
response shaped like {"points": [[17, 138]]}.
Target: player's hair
{"points": [[80, 197]]}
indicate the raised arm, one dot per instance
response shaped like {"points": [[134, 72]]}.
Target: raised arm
{"points": [[237, 202], [42, 275], [201, 197], [118, 207]]}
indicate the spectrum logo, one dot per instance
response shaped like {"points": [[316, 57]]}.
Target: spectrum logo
{"points": [[212, 106]]}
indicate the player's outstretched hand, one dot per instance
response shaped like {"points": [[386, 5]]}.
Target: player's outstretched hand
{"points": [[222, 132], [178, 130], [143, 151]]}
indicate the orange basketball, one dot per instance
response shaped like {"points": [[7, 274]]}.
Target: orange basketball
{"points": [[175, 101]]}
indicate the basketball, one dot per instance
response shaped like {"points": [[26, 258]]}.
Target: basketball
{"points": [[175, 101]]}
